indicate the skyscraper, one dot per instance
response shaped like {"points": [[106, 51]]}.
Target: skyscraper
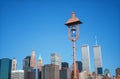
{"points": [[85, 58], [79, 65], [65, 72], [5, 68], [33, 60], [26, 66], [64, 65], [97, 57], [50, 71], [56, 59], [14, 64], [40, 63]]}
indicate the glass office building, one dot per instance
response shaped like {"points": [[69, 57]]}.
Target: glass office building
{"points": [[5, 68]]}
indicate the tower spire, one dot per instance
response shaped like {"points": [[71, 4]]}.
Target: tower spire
{"points": [[96, 41]]}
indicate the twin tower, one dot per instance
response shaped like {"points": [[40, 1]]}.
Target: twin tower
{"points": [[97, 58]]}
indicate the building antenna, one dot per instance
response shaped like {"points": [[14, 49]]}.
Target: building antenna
{"points": [[96, 41]]}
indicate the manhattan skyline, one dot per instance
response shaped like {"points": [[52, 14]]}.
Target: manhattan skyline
{"points": [[39, 25]]}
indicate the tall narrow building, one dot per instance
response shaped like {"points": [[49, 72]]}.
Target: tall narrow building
{"points": [[40, 63], [85, 58], [26, 66], [14, 64], [97, 58], [29, 66], [33, 60], [5, 68], [56, 59]]}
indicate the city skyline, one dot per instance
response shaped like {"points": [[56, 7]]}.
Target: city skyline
{"points": [[39, 25]]}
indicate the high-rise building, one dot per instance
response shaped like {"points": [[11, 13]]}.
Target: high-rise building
{"points": [[31, 73], [64, 65], [40, 63], [65, 72], [40, 67], [56, 59], [33, 60], [17, 74], [26, 66], [100, 70], [39, 74], [85, 58], [50, 71], [29, 66], [14, 64], [5, 68], [97, 57], [79, 65]]}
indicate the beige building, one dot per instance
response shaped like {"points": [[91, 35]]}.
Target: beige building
{"points": [[33, 60], [50, 71], [83, 75], [17, 74], [40, 63]]}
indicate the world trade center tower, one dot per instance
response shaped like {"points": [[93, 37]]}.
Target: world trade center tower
{"points": [[85, 58], [97, 59]]}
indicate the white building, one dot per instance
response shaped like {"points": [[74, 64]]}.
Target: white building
{"points": [[97, 57], [14, 64], [56, 59], [85, 58], [83, 75], [17, 74]]}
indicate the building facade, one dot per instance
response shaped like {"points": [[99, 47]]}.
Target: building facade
{"points": [[31, 73], [33, 60], [5, 68], [79, 65], [56, 59], [14, 64], [64, 65], [26, 66], [97, 57], [65, 72], [17, 74], [85, 58], [40, 63], [50, 71], [83, 75]]}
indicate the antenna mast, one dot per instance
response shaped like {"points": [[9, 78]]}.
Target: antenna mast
{"points": [[96, 41]]}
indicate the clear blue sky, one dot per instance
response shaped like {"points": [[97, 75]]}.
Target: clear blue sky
{"points": [[39, 25]]}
